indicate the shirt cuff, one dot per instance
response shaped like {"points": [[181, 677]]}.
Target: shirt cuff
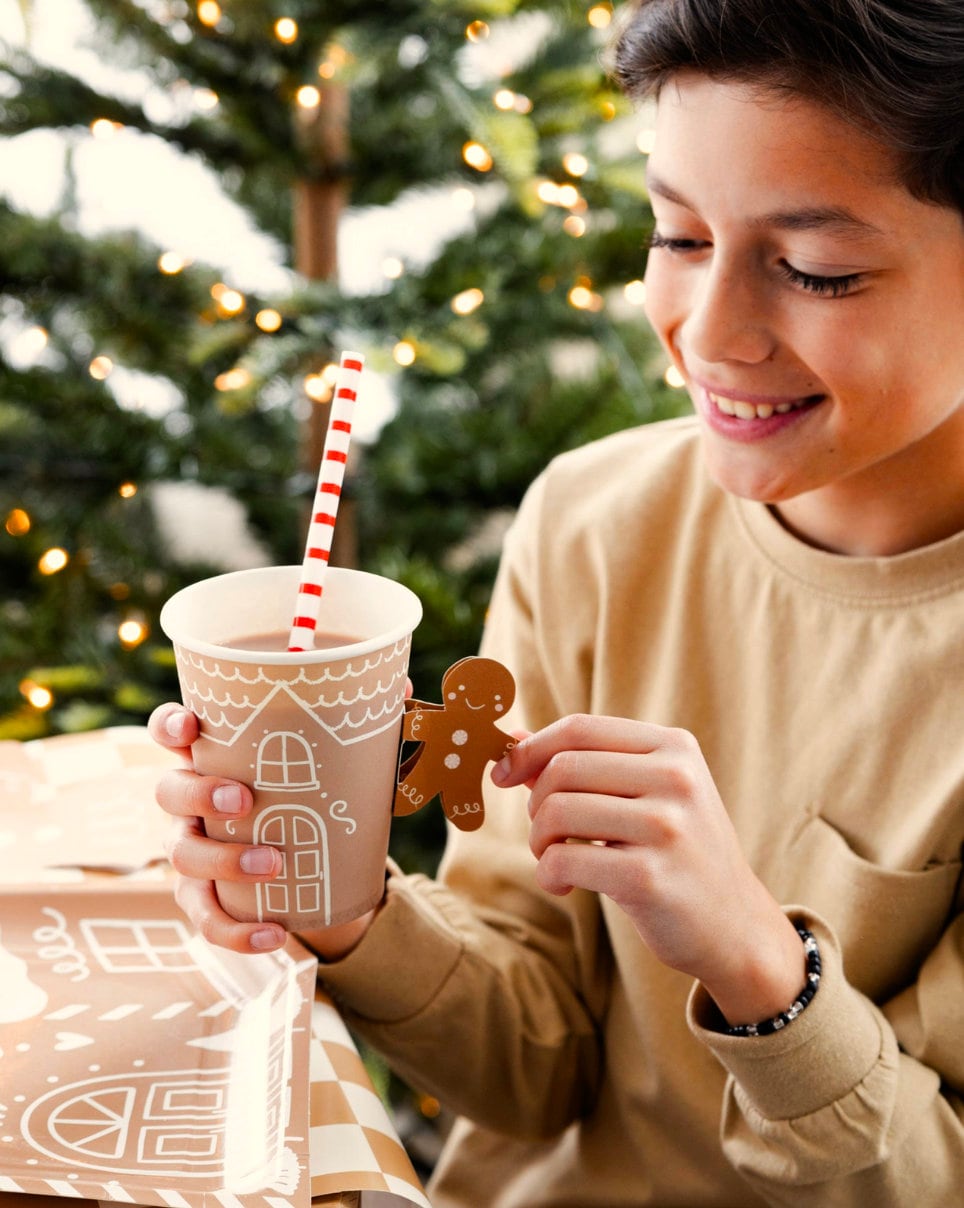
{"points": [[815, 1060]]}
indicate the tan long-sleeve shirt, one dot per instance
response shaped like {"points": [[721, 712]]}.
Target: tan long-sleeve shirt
{"points": [[827, 694]]}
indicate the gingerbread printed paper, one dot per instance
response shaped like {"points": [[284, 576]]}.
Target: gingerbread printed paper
{"points": [[456, 740]]}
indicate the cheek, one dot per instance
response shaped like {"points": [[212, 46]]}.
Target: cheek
{"points": [[663, 306]]}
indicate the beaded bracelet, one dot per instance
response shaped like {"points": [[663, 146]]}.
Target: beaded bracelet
{"points": [[799, 1004]]}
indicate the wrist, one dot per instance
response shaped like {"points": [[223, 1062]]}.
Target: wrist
{"points": [[770, 975], [335, 943]]}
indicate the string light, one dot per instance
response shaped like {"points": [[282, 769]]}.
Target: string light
{"points": [[127, 490], [575, 164], [31, 343], [318, 388], [209, 12], [404, 353], [393, 268], [286, 30], [206, 99], [673, 377], [233, 379], [574, 226], [607, 111], [230, 301], [268, 319], [522, 103], [100, 368], [17, 523], [635, 292], [476, 156], [476, 31], [132, 632], [582, 297], [172, 263], [119, 591], [308, 96], [37, 695], [504, 99], [53, 560], [600, 16], [467, 301], [103, 127]]}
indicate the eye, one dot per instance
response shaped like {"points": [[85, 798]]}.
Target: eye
{"points": [[833, 287], [656, 241]]}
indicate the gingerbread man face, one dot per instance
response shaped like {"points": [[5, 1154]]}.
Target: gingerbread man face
{"points": [[457, 739], [477, 687]]}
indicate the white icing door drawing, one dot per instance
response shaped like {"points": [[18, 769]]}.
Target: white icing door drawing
{"points": [[304, 884]]}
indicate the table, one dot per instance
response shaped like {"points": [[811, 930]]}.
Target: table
{"points": [[139, 1063]]}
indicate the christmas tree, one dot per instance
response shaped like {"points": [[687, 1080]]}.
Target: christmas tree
{"points": [[486, 135]]}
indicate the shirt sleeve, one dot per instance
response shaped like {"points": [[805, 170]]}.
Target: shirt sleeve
{"points": [[480, 988], [851, 1104]]}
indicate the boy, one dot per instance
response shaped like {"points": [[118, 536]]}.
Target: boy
{"points": [[708, 947]]}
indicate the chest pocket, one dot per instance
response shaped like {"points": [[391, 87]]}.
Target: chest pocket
{"points": [[887, 920]]}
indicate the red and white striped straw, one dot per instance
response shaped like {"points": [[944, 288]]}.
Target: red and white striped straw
{"points": [[331, 474]]}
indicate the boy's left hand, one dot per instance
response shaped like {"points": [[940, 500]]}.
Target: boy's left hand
{"points": [[630, 810]]}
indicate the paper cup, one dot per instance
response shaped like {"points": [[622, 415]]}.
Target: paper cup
{"points": [[315, 734]]}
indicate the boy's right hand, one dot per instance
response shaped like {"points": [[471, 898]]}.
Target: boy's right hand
{"points": [[199, 861]]}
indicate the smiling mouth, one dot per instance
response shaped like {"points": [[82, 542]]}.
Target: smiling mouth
{"points": [[744, 409]]}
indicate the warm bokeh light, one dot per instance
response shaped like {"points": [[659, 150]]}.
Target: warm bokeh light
{"points": [[574, 226], [53, 560], [268, 319], [584, 298], [206, 99], [476, 156], [318, 388], [232, 379], [504, 99], [127, 490], [17, 523], [635, 292], [463, 198], [103, 127], [286, 30], [607, 111], [308, 96], [132, 632], [404, 353], [575, 164], [673, 377], [38, 696], [172, 263], [100, 368], [393, 267], [209, 12], [600, 16], [467, 301], [477, 31], [230, 302]]}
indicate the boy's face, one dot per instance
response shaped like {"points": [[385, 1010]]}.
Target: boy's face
{"points": [[816, 311]]}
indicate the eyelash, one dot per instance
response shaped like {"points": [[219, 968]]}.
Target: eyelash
{"points": [[833, 287]]}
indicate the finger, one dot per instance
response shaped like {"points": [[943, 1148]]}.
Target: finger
{"points": [[174, 727], [192, 854], [199, 901], [592, 818], [186, 794], [591, 866], [578, 732]]}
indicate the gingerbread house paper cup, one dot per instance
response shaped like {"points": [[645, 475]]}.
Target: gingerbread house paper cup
{"points": [[315, 733]]}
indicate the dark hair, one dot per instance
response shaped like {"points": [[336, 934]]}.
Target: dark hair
{"points": [[893, 67]]}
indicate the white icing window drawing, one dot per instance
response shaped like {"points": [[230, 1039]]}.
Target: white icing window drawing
{"points": [[96, 1123], [129, 946], [285, 761], [303, 884]]}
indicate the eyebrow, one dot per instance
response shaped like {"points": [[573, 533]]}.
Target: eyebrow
{"points": [[835, 219]]}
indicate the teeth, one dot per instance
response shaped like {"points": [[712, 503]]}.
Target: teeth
{"points": [[741, 409]]}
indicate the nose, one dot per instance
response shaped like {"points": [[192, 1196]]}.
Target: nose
{"points": [[728, 318]]}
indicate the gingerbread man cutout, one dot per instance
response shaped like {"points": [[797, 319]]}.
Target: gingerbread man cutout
{"points": [[456, 740]]}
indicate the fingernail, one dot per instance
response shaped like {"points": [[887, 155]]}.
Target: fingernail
{"points": [[258, 859], [174, 725], [267, 938], [226, 799], [501, 771]]}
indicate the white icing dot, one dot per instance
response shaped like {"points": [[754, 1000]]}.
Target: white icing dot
{"points": [[452, 761], [498, 708], [451, 696], [52, 1078], [460, 738]]}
